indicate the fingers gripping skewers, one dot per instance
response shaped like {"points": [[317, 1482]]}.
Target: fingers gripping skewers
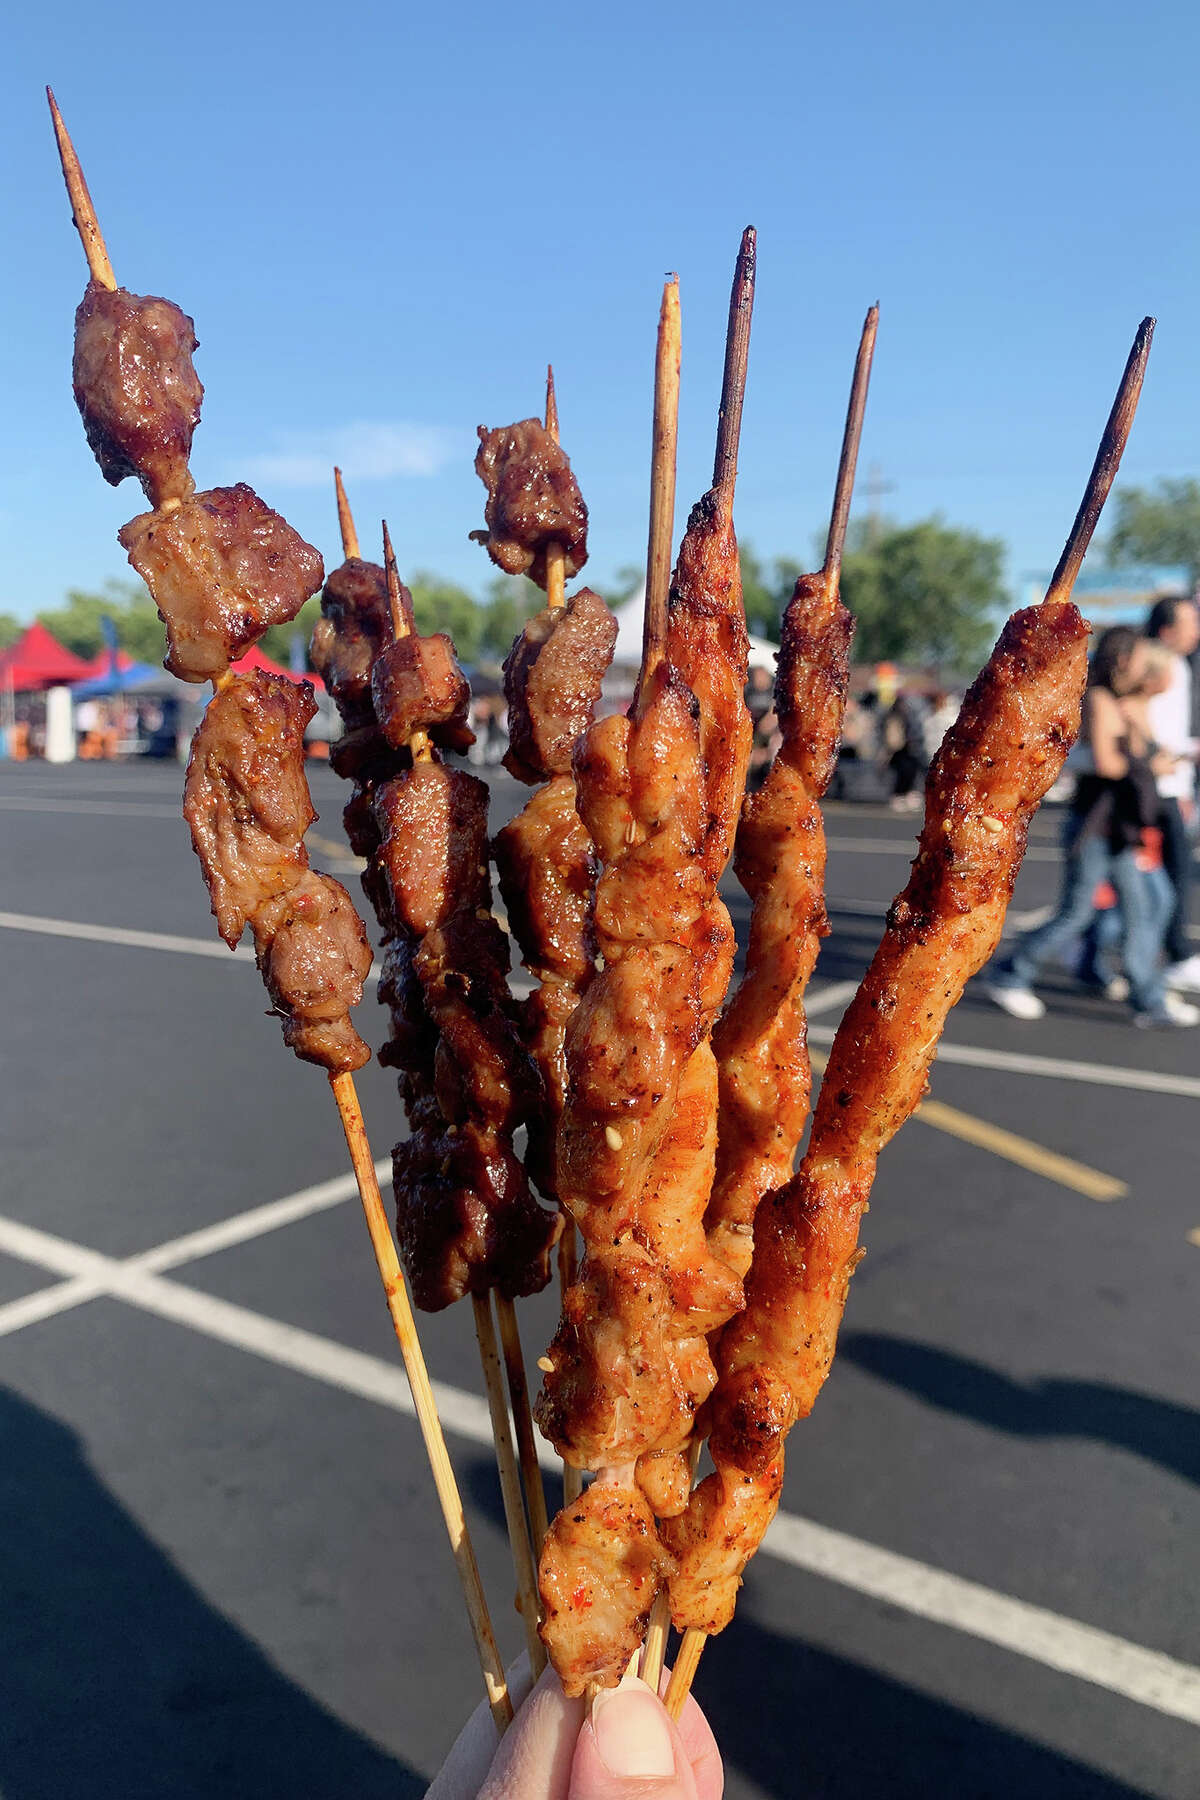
{"points": [[660, 793], [1005, 751], [221, 567], [760, 1040]]}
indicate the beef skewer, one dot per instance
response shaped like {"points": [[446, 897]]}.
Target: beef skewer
{"points": [[761, 1038], [221, 566], [660, 793], [1000, 758], [462, 1206], [545, 859]]}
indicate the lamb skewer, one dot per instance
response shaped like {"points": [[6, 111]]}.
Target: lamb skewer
{"points": [[222, 566], [1003, 754]]}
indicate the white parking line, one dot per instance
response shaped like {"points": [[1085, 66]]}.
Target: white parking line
{"points": [[128, 809], [138, 940], [1099, 1657], [1059, 1069]]}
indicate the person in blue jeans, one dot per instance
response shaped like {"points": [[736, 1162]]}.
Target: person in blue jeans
{"points": [[1115, 804]]}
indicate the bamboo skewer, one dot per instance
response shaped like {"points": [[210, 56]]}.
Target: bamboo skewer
{"points": [[1104, 469], [510, 1481], [737, 355], [518, 1393], [350, 1112], [663, 448], [345, 518], [405, 1326], [83, 213], [839, 516], [556, 556]]}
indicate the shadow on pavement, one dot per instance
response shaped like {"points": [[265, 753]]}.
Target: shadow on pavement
{"points": [[119, 1681], [805, 1725], [1159, 1430]]}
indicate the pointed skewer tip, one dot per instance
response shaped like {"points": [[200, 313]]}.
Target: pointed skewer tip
{"points": [[82, 211]]}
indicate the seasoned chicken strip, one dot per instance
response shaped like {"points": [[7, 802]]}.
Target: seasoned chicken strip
{"points": [[998, 761]]}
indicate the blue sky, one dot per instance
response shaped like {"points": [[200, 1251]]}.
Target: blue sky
{"points": [[386, 219]]}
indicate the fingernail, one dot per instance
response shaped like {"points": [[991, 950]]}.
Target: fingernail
{"points": [[632, 1732]]}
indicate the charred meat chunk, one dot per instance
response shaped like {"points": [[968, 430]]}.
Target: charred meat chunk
{"points": [[245, 797], [533, 500], [417, 685], [136, 389], [354, 626], [221, 567], [552, 678], [433, 823]]}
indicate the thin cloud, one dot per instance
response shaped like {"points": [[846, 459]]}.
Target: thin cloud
{"points": [[364, 451]]}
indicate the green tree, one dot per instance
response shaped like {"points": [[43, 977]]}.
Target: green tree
{"points": [[920, 593], [440, 605], [10, 630], [77, 624], [1158, 525], [509, 601]]}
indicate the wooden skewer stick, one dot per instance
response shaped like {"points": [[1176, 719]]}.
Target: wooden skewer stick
{"points": [[82, 211], [345, 517], [684, 1672], [654, 1650], [662, 483], [839, 518], [518, 1393], [405, 1326], [737, 355], [1104, 469], [420, 743], [510, 1481], [556, 556]]}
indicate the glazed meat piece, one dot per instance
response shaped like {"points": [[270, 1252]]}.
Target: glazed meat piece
{"points": [[433, 826], [1004, 753], [552, 679], [417, 685], [614, 1390], [354, 626], [136, 389], [245, 797], [709, 649], [533, 500], [465, 1218], [779, 858], [601, 1567], [314, 957], [221, 568]]}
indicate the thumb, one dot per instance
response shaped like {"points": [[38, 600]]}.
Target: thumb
{"points": [[629, 1749]]}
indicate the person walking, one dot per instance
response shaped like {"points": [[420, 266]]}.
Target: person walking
{"points": [[1175, 624], [1115, 804]]}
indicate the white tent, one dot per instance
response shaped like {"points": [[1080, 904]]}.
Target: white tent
{"points": [[628, 653]]}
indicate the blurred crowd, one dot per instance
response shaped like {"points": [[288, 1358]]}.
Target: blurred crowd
{"points": [[1121, 923]]}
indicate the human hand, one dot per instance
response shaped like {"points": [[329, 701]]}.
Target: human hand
{"points": [[628, 1749]]}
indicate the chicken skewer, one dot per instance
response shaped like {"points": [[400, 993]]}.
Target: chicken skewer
{"points": [[760, 1040], [1000, 758], [660, 793], [779, 857], [546, 862], [219, 564]]}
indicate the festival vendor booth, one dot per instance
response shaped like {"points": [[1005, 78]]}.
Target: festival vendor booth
{"points": [[37, 664]]}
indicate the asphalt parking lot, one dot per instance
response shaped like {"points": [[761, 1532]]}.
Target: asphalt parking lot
{"points": [[221, 1568]]}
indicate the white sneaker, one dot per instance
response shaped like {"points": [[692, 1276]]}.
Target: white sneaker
{"points": [[1017, 1002], [1180, 1012], [1184, 975], [1117, 989]]}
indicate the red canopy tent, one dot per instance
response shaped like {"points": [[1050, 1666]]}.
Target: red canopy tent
{"points": [[108, 662], [254, 659], [38, 660]]}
